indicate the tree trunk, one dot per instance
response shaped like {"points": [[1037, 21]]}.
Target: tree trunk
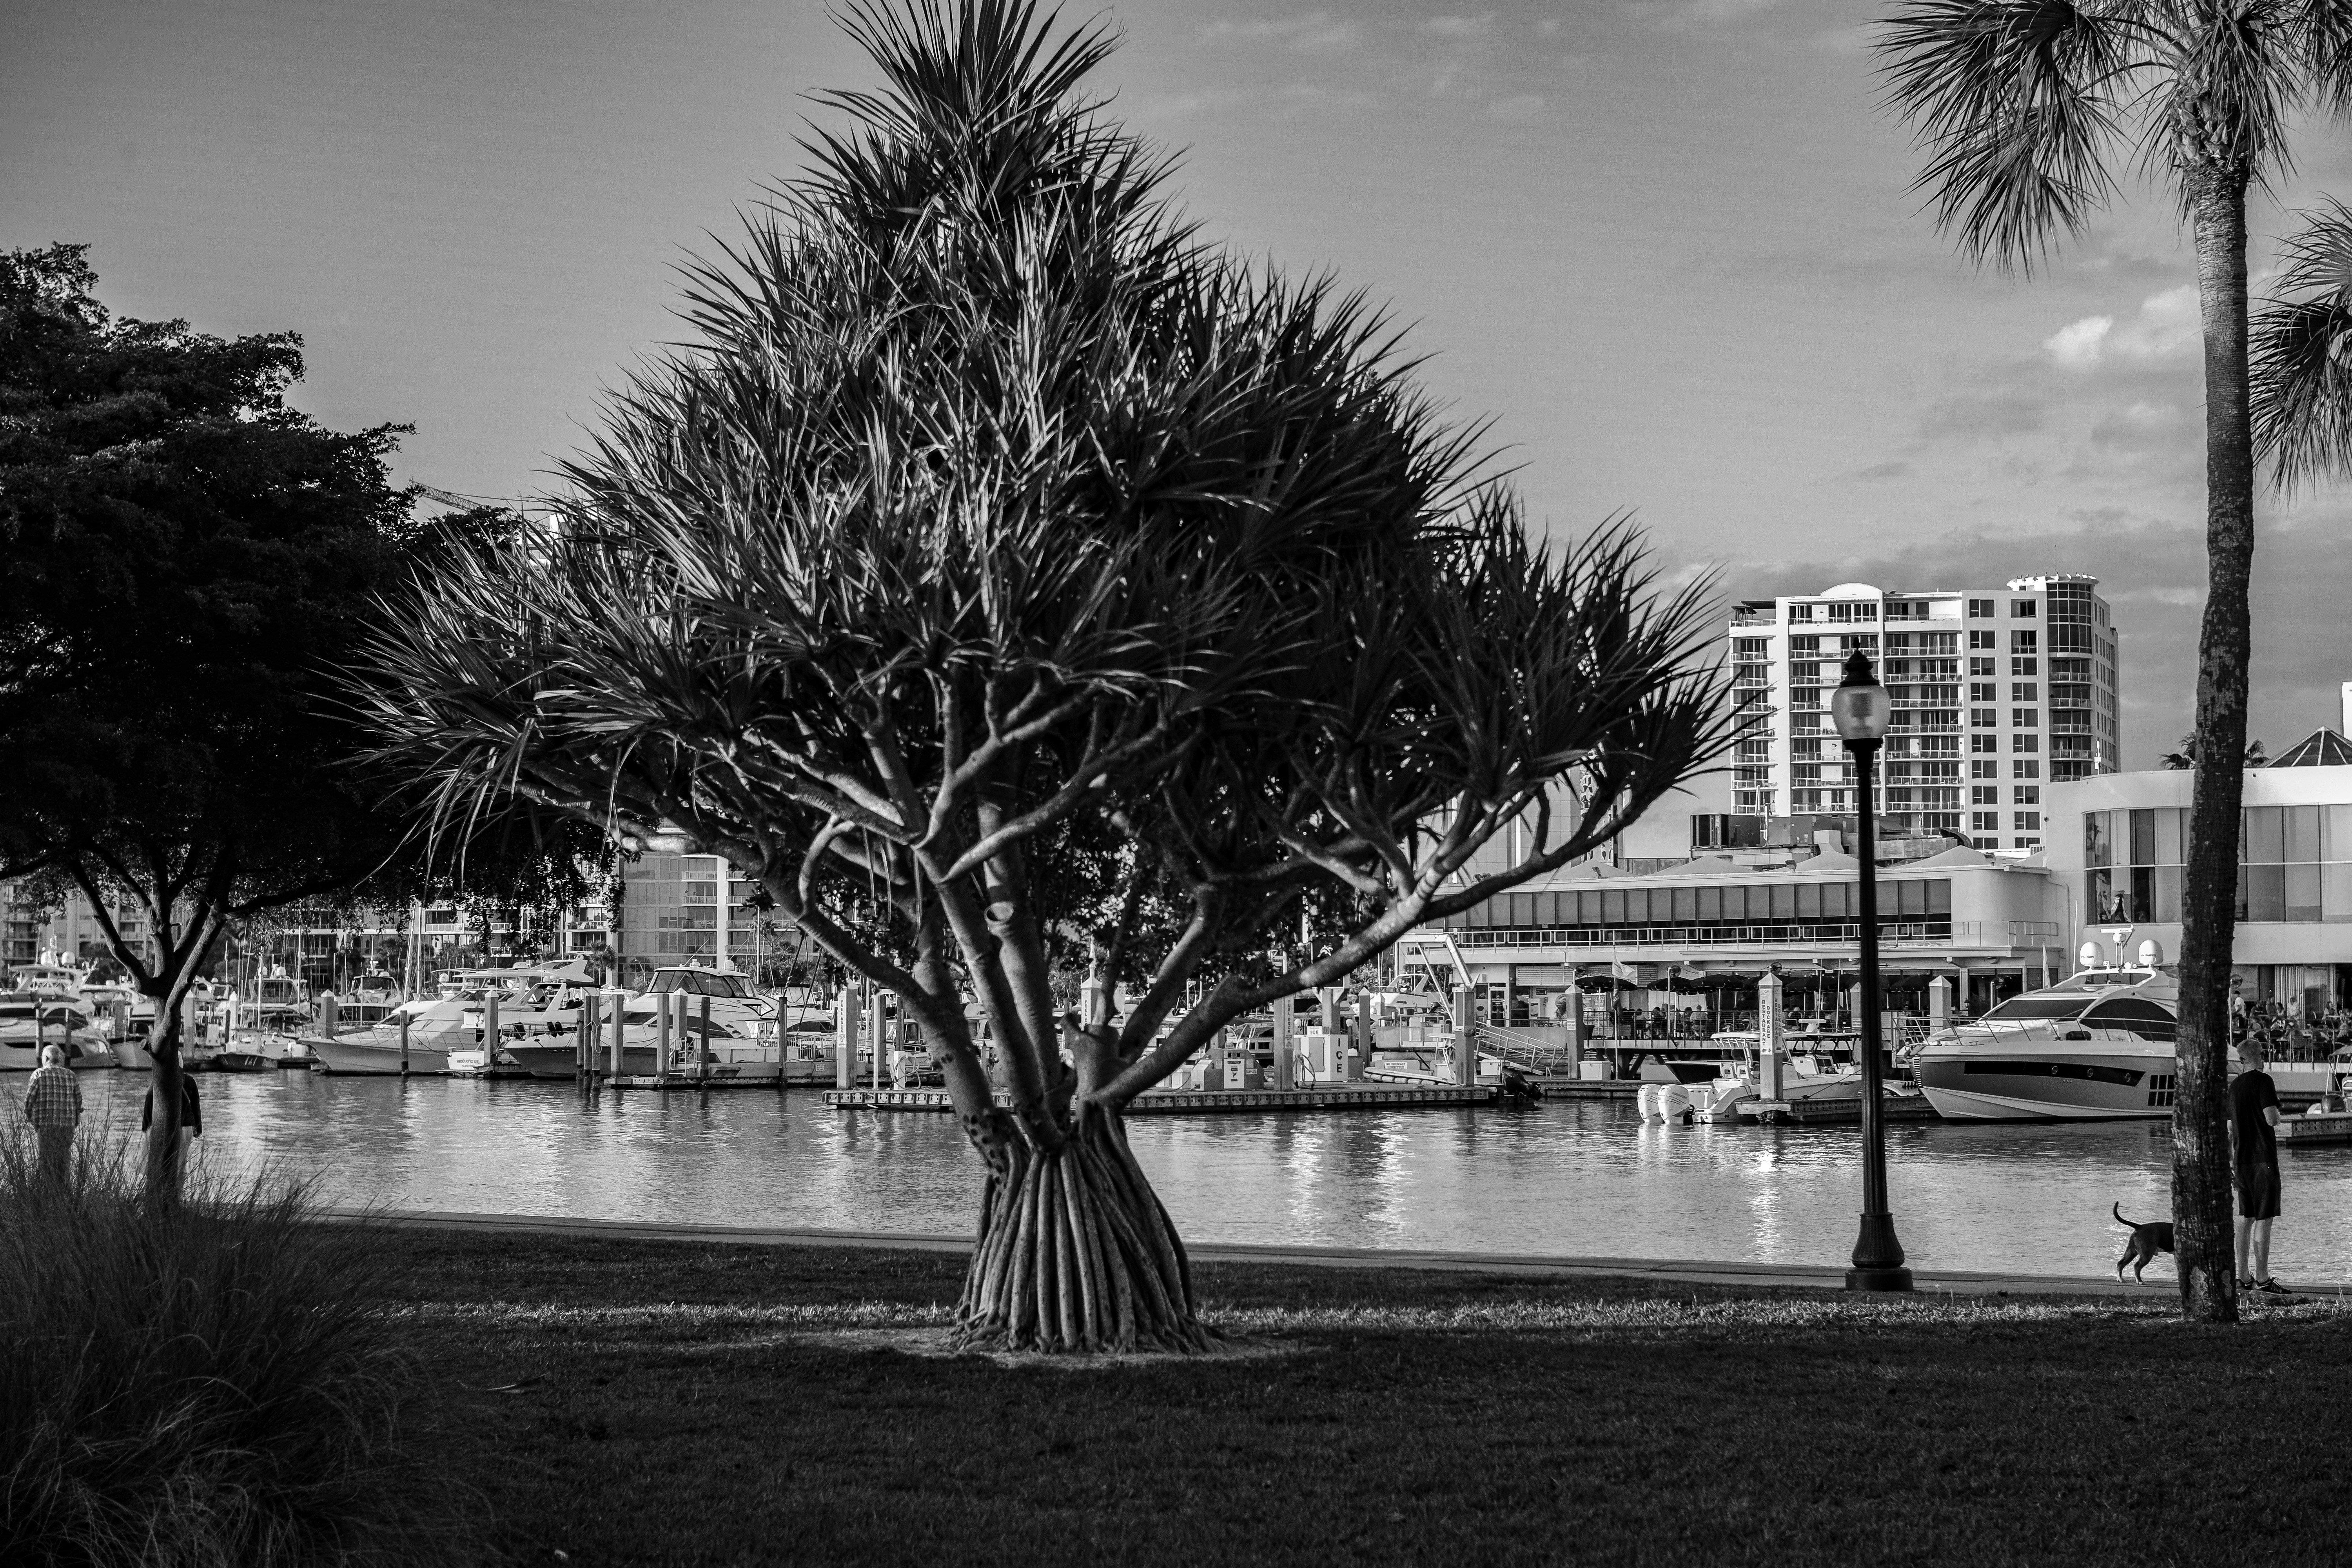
{"points": [[2200, 1148], [163, 1089], [1076, 1252]]}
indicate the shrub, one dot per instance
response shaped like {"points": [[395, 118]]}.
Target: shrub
{"points": [[213, 1381]]}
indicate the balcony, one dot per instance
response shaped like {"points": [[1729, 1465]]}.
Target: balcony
{"points": [[1752, 618]]}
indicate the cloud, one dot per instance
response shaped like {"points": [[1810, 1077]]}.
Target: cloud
{"points": [[1317, 98], [1975, 414], [1315, 33], [1185, 105], [1699, 16], [1458, 29], [1525, 108], [2165, 331], [1877, 472]]}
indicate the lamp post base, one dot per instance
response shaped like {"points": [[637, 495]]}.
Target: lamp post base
{"points": [[1896, 1279], [1878, 1257]]}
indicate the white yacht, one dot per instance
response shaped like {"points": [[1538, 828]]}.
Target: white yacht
{"points": [[2096, 1047], [1805, 1075], [29, 1020]]}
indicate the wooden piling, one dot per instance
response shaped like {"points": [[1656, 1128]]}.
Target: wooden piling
{"points": [[661, 1041], [702, 1051]]}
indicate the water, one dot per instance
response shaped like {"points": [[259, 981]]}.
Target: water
{"points": [[1582, 1177]]}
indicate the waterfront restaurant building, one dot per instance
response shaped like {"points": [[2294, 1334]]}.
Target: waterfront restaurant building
{"points": [[1993, 924], [2117, 854], [1703, 931]]}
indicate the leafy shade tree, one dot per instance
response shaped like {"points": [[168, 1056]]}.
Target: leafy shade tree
{"points": [[994, 530], [2023, 109], [186, 556]]}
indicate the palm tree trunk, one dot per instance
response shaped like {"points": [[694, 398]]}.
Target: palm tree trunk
{"points": [[2200, 1148], [1076, 1252]]}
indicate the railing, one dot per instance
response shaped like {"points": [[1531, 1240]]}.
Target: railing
{"points": [[1964, 934], [1752, 618]]}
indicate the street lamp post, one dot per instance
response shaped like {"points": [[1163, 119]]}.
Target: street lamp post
{"points": [[1861, 710]]}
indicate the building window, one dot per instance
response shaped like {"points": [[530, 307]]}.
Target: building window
{"points": [[1987, 641], [2024, 642], [441, 917], [1980, 610], [1985, 768], [2024, 691], [2028, 744], [1984, 743], [1801, 612], [1984, 822], [2025, 769], [1751, 648], [1984, 794], [1984, 666], [2029, 820], [2024, 667], [2021, 609], [2026, 794], [2024, 718], [1984, 691]]}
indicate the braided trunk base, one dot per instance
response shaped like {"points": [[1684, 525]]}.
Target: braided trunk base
{"points": [[1076, 1254]]}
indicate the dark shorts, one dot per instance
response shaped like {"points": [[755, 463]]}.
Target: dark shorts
{"points": [[2258, 1192]]}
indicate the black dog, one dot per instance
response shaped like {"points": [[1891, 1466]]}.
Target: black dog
{"points": [[2146, 1241]]}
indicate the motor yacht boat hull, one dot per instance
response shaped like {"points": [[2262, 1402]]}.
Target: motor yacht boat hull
{"points": [[351, 1056], [2096, 1047], [2042, 1080]]}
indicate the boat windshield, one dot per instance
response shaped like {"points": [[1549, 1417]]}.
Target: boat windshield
{"points": [[2020, 1008]]}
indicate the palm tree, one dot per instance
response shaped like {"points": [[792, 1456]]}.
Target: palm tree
{"points": [[997, 541], [2301, 382], [2023, 109]]}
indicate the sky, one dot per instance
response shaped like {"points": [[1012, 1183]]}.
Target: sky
{"points": [[1665, 247]]}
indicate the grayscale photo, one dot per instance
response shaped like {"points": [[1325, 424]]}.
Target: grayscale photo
{"points": [[952, 782]]}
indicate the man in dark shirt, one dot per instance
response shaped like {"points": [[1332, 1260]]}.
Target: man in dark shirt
{"points": [[2253, 1151]]}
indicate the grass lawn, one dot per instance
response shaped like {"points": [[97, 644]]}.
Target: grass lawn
{"points": [[649, 1402]]}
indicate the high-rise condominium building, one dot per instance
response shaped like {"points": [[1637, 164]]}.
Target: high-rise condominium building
{"points": [[1995, 693]]}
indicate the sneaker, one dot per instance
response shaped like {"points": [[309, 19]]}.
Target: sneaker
{"points": [[2271, 1287]]}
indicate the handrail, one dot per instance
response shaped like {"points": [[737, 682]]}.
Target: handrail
{"points": [[1969, 932]]}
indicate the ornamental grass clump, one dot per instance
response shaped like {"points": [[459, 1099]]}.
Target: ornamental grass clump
{"points": [[210, 1381]]}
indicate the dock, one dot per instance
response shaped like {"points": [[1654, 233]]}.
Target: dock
{"points": [[1828, 1112], [682, 1081], [1196, 1101], [2327, 1127], [1556, 1086]]}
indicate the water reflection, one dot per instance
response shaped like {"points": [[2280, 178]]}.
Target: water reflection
{"points": [[1571, 1178]]}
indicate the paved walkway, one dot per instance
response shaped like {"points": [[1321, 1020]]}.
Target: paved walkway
{"points": [[1687, 1271]]}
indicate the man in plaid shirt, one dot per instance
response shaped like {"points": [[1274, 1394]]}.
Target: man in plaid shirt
{"points": [[53, 1105]]}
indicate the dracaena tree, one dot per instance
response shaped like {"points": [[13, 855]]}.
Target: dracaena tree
{"points": [[994, 534], [2025, 109]]}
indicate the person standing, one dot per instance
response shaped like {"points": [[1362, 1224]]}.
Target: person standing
{"points": [[53, 1105], [2254, 1153], [192, 1115]]}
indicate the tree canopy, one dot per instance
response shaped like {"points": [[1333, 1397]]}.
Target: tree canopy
{"points": [[993, 529]]}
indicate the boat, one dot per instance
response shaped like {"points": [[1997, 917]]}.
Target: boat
{"points": [[30, 1020], [437, 1025], [2098, 1045], [1805, 1075]]}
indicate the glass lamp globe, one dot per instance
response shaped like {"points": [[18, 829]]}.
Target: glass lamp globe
{"points": [[1859, 707]]}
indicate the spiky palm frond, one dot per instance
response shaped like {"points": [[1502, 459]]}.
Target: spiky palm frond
{"points": [[2018, 106], [2300, 359]]}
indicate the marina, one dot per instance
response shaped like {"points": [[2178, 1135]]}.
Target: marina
{"points": [[1551, 1177]]}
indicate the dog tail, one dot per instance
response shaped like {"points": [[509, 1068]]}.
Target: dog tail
{"points": [[2120, 1220]]}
